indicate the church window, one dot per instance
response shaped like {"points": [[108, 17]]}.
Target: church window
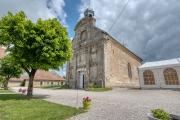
{"points": [[129, 71], [148, 77], [83, 35], [171, 77]]}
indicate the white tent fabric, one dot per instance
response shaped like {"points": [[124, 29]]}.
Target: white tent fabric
{"points": [[170, 62]]}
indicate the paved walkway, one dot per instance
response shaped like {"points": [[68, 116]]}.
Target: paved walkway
{"points": [[118, 104]]}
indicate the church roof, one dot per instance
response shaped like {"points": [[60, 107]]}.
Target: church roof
{"points": [[126, 49], [163, 63]]}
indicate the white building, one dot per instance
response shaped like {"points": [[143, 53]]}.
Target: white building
{"points": [[160, 74]]}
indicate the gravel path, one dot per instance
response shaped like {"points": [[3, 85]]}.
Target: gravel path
{"points": [[118, 104]]}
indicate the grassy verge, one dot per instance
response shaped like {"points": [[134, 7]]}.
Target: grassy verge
{"points": [[4, 91], [55, 87], [19, 107], [99, 89]]}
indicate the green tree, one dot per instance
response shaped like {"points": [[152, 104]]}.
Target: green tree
{"points": [[9, 69], [40, 45], [1, 81]]}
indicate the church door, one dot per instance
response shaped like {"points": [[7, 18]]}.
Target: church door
{"points": [[82, 79]]}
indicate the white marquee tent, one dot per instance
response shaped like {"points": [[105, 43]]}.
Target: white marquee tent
{"points": [[160, 74]]}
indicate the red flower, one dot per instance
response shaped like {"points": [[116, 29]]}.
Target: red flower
{"points": [[86, 99], [24, 91], [20, 90]]}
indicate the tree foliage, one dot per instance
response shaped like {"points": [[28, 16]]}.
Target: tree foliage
{"points": [[41, 45], [9, 69]]}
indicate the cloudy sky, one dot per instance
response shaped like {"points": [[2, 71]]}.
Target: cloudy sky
{"points": [[150, 28]]}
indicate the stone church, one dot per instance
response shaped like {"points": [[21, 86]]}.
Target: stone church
{"points": [[100, 59]]}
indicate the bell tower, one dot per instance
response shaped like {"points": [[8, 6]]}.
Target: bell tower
{"points": [[89, 13], [88, 18]]}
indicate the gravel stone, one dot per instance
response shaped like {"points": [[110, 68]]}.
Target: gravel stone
{"points": [[118, 104]]}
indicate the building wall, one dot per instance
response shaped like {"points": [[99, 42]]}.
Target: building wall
{"points": [[14, 84], [35, 83], [159, 77], [116, 66]]}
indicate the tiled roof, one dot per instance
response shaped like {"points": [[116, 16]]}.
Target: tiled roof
{"points": [[47, 75], [42, 75]]}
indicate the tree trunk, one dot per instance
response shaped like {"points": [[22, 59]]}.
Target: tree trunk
{"points": [[5, 84], [30, 85]]}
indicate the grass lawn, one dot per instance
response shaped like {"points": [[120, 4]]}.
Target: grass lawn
{"points": [[4, 91], [19, 107], [99, 89], [55, 87]]}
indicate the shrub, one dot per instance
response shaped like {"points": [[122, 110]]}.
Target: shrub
{"points": [[65, 86], [90, 85], [161, 114], [94, 85], [23, 83]]}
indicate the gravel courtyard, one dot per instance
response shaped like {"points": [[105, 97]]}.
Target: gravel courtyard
{"points": [[118, 104]]}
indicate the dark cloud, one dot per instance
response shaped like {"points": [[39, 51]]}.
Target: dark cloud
{"points": [[150, 28]]}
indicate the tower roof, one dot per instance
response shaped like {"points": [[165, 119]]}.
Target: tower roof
{"points": [[89, 12]]}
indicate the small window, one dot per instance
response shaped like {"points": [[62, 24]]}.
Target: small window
{"points": [[83, 35], [129, 71]]}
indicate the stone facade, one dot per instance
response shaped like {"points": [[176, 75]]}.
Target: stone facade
{"points": [[100, 59], [121, 65]]}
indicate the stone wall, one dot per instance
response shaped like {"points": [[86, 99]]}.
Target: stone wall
{"points": [[116, 65], [35, 83]]}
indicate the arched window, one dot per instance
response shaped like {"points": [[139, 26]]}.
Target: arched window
{"points": [[129, 71], [148, 77], [170, 76], [83, 35]]}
